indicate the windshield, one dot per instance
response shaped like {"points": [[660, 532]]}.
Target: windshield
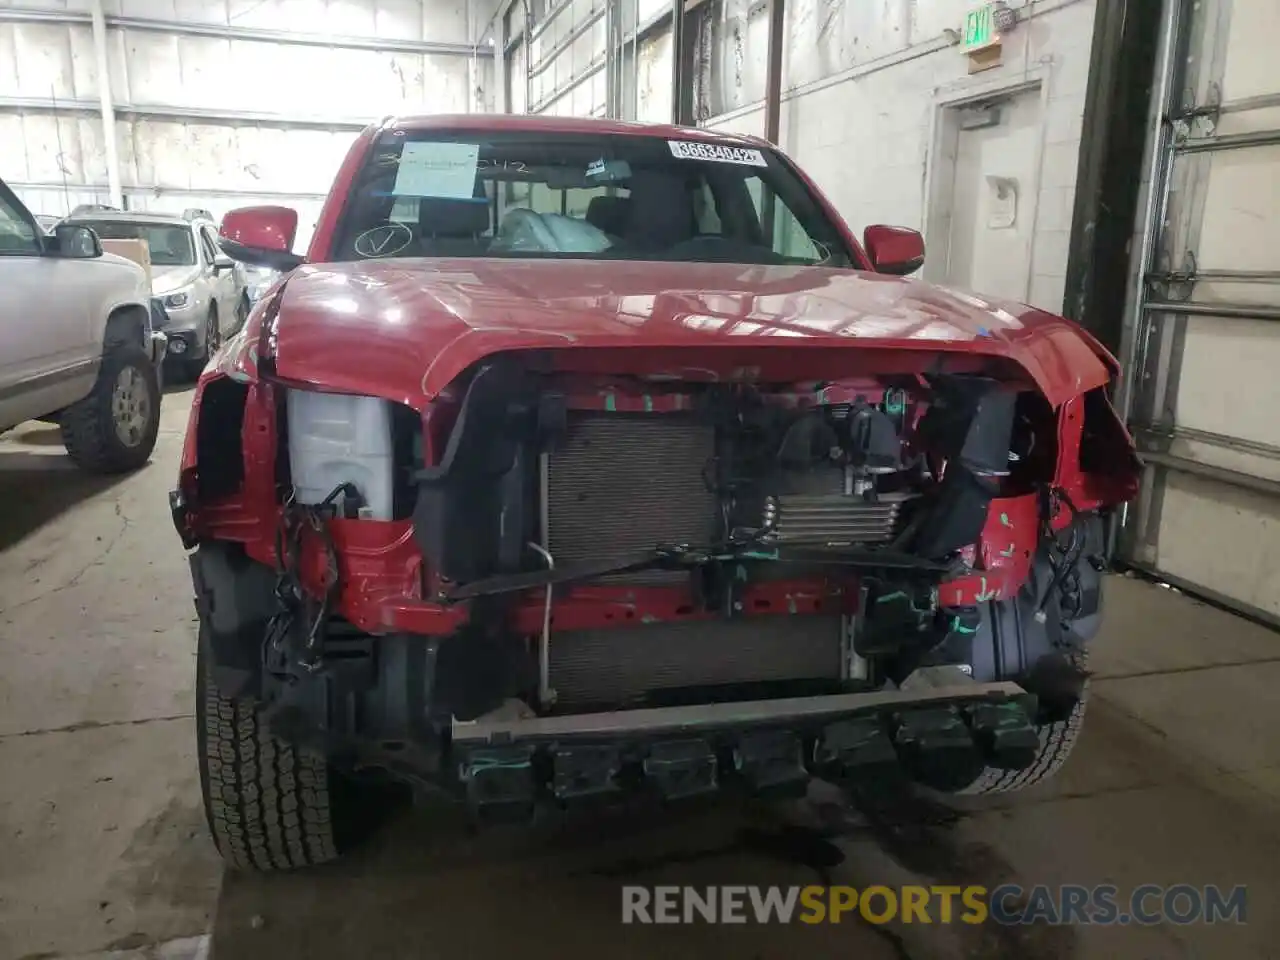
{"points": [[520, 194], [169, 246]]}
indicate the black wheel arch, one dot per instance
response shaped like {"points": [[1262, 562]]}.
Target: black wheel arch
{"points": [[129, 323]]}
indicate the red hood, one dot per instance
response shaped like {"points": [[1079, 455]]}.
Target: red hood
{"points": [[403, 329]]}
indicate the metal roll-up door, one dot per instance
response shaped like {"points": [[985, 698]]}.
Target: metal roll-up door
{"points": [[1202, 351]]}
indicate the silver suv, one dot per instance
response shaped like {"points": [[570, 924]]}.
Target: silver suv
{"points": [[77, 346], [203, 291]]}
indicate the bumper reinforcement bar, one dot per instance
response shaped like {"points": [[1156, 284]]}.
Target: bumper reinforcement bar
{"points": [[942, 736], [644, 723]]}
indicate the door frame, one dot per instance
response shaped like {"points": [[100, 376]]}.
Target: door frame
{"points": [[939, 180]]}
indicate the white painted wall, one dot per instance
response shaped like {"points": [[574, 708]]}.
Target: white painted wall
{"points": [[653, 79], [866, 132], [295, 107]]}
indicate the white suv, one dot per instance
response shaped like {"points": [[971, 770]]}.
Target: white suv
{"points": [[76, 343], [203, 291]]}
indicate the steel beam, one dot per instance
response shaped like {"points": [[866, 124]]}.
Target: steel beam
{"points": [[1260, 102], [225, 32], [192, 114], [1228, 141], [1133, 341], [1217, 276], [501, 66], [153, 191], [1156, 438], [1233, 478], [679, 65], [773, 76], [105, 106], [1234, 311]]}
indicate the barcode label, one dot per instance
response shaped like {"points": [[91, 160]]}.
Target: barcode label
{"points": [[685, 150]]}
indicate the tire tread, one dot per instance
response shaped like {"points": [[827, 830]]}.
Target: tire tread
{"points": [[261, 815], [1057, 740], [86, 425]]}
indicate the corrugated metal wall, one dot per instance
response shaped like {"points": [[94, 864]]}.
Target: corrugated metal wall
{"points": [[221, 103], [590, 58], [1202, 335]]}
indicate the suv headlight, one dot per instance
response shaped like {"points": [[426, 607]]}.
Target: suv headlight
{"points": [[176, 300]]}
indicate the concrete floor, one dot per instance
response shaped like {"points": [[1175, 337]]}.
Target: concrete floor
{"points": [[103, 844]]}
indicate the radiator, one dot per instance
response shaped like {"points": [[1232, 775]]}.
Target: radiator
{"points": [[620, 664], [622, 484]]}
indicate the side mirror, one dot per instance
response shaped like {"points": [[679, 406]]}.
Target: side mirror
{"points": [[894, 250], [261, 237], [73, 242], [222, 263]]}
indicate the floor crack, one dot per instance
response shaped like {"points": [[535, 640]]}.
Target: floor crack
{"points": [[1194, 668], [96, 725], [97, 561]]}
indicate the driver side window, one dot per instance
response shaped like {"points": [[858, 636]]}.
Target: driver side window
{"points": [[785, 234], [17, 238]]}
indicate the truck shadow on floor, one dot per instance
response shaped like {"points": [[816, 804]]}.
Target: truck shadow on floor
{"points": [[426, 887], [37, 487]]}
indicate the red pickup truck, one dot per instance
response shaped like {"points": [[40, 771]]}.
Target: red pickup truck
{"points": [[580, 461]]}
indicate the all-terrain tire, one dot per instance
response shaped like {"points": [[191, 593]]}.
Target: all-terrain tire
{"points": [[89, 426], [1057, 739], [1056, 742], [269, 804]]}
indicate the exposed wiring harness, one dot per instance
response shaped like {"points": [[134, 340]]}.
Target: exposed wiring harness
{"points": [[296, 520], [1065, 565]]}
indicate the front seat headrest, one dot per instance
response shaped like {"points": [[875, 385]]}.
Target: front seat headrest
{"points": [[452, 217]]}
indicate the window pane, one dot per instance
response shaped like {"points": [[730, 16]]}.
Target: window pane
{"points": [[630, 197], [16, 235]]}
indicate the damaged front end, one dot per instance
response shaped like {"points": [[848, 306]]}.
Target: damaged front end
{"points": [[553, 584]]}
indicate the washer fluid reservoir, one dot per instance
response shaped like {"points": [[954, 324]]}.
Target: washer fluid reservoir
{"points": [[335, 438]]}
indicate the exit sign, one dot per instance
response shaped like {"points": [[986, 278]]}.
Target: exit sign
{"points": [[979, 29]]}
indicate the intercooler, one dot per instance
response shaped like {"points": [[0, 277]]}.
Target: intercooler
{"points": [[619, 486]]}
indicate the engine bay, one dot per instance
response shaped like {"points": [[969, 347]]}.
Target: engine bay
{"points": [[794, 534], [540, 547]]}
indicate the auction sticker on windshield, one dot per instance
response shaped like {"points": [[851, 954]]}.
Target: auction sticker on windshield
{"points": [[686, 150], [446, 170]]}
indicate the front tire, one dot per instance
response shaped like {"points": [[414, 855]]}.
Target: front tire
{"points": [[1057, 739], [269, 805], [114, 428]]}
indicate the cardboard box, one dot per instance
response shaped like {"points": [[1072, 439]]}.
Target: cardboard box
{"points": [[135, 250]]}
